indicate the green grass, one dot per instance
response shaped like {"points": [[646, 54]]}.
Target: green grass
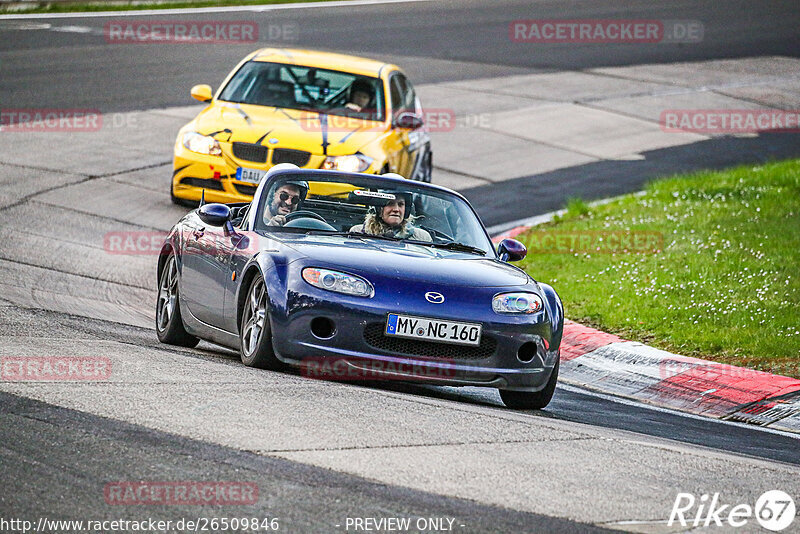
{"points": [[724, 283], [69, 7]]}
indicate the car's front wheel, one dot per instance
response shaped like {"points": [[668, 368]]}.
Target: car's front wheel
{"points": [[254, 335], [169, 324], [531, 400]]}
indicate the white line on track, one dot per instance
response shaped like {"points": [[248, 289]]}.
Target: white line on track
{"points": [[72, 29], [200, 10], [536, 220], [639, 404]]}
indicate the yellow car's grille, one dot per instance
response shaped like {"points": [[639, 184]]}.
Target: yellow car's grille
{"points": [[259, 154], [287, 155], [250, 152]]}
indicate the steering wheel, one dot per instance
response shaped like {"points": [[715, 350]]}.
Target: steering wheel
{"points": [[304, 213]]}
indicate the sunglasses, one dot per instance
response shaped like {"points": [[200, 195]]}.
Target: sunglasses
{"points": [[284, 196]]}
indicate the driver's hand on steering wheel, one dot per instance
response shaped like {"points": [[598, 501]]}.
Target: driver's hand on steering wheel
{"points": [[354, 107], [277, 220]]}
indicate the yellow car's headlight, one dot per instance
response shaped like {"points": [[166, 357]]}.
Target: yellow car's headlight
{"points": [[354, 163], [202, 144]]}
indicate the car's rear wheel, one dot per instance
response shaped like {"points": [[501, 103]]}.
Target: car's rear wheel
{"points": [[169, 324], [531, 400], [255, 335]]}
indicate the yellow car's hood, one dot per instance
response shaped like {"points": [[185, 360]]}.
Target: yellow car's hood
{"points": [[299, 130]]}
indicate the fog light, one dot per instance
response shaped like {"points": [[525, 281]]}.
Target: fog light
{"points": [[527, 352], [322, 327]]}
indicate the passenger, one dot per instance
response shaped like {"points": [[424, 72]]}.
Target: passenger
{"points": [[285, 199], [393, 220]]}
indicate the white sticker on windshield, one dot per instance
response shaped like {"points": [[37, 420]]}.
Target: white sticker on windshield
{"points": [[374, 194]]}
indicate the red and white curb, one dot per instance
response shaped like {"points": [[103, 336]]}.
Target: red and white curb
{"points": [[606, 363]]}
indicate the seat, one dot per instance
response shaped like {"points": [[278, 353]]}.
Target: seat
{"points": [[276, 93]]}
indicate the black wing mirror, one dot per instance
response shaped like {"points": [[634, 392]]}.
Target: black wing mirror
{"points": [[214, 214], [409, 120], [511, 250]]}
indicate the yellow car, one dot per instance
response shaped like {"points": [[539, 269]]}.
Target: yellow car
{"points": [[316, 110]]}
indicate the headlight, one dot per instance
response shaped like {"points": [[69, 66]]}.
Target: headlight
{"points": [[338, 282], [516, 303], [354, 163], [202, 144]]}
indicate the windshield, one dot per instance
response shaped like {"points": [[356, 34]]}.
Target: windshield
{"points": [[371, 208], [306, 88]]}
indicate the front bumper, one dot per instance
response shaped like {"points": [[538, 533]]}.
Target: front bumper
{"points": [[192, 173], [512, 355]]}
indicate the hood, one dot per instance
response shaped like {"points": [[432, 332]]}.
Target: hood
{"points": [[300, 130], [375, 259]]}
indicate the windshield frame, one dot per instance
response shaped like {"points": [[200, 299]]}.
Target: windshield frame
{"points": [[381, 105], [377, 182]]}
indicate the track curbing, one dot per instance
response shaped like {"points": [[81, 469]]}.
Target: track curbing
{"points": [[606, 363]]}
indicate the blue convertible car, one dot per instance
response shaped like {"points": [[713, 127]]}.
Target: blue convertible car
{"points": [[356, 276]]}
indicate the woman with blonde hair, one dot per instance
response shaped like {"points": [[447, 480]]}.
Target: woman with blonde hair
{"points": [[394, 219]]}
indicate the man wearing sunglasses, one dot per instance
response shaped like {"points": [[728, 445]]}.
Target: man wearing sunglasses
{"points": [[285, 199]]}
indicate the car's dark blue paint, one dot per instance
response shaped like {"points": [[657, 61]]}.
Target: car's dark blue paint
{"points": [[216, 266]]}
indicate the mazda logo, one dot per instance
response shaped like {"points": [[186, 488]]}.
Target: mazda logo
{"points": [[434, 297]]}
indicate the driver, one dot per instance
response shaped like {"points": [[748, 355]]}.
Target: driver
{"points": [[360, 95], [393, 219], [284, 200]]}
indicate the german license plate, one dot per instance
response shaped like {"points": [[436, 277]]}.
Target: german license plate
{"points": [[433, 329], [254, 176]]}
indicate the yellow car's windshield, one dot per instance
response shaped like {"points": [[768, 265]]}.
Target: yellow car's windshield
{"points": [[306, 88]]}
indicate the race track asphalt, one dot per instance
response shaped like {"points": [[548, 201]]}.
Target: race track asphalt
{"points": [[322, 452]]}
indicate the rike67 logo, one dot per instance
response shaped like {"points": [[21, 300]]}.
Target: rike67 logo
{"points": [[774, 510]]}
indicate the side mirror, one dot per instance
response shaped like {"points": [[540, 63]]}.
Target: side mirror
{"points": [[202, 93], [214, 214], [511, 250], [408, 120]]}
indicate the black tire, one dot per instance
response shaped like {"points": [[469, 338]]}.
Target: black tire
{"points": [[255, 337], [169, 324], [531, 400]]}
